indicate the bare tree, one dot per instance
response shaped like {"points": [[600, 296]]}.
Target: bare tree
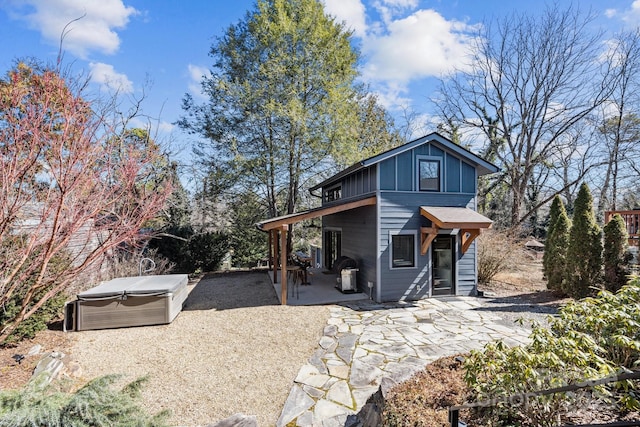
{"points": [[73, 188], [621, 126], [530, 82]]}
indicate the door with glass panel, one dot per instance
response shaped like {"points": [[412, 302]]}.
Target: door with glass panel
{"points": [[443, 262]]}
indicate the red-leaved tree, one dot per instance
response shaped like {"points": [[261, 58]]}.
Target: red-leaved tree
{"points": [[72, 189]]}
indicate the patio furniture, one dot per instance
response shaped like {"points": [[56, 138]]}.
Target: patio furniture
{"points": [[296, 274], [304, 261]]}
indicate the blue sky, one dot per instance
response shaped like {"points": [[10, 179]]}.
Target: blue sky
{"points": [[124, 43]]}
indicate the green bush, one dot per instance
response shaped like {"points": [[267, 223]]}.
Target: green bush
{"points": [[96, 404], [555, 249], [190, 252], [28, 328], [583, 273], [50, 311], [590, 339], [174, 246], [207, 250], [616, 257]]}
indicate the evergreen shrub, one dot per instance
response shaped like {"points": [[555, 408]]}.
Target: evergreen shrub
{"points": [[616, 256], [583, 274], [590, 339], [97, 404], [555, 248]]}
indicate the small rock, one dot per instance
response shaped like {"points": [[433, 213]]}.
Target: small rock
{"points": [[49, 367], [73, 369], [237, 420], [36, 349]]}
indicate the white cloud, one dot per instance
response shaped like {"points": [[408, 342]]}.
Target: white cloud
{"points": [[106, 76], [421, 45], [166, 127], [389, 9], [351, 12], [93, 31], [631, 15], [196, 74]]}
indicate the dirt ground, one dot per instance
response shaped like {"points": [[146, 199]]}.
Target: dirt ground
{"points": [[525, 282], [13, 373]]}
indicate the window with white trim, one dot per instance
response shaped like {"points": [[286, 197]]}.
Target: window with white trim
{"points": [[429, 174]]}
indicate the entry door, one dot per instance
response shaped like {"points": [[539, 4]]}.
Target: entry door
{"points": [[443, 265], [333, 247]]}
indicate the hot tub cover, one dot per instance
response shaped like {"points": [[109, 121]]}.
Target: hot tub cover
{"points": [[155, 285]]}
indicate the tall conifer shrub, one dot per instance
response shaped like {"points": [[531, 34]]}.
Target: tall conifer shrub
{"points": [[584, 255], [615, 255], [555, 248]]}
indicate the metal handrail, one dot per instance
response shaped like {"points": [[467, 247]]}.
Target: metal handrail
{"points": [[454, 411], [152, 266]]}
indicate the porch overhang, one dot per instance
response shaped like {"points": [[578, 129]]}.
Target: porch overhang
{"points": [[285, 220], [468, 221], [281, 225]]}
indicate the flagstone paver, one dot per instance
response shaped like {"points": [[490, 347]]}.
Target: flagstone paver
{"points": [[366, 342]]}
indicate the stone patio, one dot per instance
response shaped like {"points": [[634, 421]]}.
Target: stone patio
{"points": [[364, 343]]}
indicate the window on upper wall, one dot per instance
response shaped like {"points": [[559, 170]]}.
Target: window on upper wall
{"points": [[333, 193], [428, 175], [403, 250]]}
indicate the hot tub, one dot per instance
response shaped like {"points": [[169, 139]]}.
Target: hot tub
{"points": [[128, 301]]}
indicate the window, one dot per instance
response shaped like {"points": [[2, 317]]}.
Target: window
{"points": [[428, 175], [333, 193], [403, 250]]}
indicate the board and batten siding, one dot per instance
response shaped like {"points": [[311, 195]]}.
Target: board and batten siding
{"points": [[400, 212], [399, 173], [358, 228], [362, 182]]}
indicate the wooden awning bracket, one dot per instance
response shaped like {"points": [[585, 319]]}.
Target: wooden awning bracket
{"points": [[427, 234], [468, 236]]}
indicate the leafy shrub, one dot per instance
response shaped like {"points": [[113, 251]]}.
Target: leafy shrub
{"points": [[28, 328], [96, 404], [174, 246], [207, 250], [191, 252], [590, 339], [49, 312], [496, 253], [249, 244]]}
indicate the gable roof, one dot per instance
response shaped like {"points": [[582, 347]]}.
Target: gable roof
{"points": [[482, 166]]}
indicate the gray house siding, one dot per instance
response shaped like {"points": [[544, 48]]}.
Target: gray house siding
{"points": [[358, 240], [367, 232], [399, 173], [361, 182], [400, 212]]}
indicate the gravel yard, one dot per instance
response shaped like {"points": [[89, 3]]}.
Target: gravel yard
{"points": [[233, 349]]}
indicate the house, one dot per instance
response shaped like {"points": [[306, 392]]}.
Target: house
{"points": [[406, 216]]}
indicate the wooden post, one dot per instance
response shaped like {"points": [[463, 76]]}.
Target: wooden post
{"points": [[270, 249], [283, 264], [273, 249]]}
